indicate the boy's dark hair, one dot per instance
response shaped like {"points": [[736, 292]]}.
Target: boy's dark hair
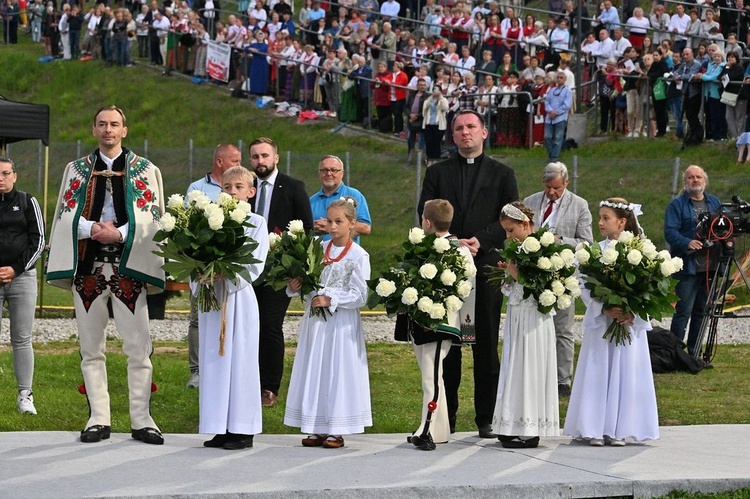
{"points": [[440, 213]]}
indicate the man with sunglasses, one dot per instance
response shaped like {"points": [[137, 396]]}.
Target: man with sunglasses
{"points": [[331, 170], [20, 247]]}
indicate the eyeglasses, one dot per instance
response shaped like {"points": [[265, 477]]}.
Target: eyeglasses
{"points": [[331, 171], [7, 174]]}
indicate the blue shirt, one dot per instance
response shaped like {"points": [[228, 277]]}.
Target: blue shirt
{"points": [[207, 186], [320, 201], [559, 99]]}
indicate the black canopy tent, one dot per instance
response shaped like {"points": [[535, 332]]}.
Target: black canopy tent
{"points": [[21, 121]]}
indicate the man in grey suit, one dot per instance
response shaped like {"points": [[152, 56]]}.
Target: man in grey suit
{"points": [[568, 217]]}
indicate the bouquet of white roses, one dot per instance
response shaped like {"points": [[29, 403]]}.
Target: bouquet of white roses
{"points": [[430, 280], [546, 270], [204, 241], [630, 274], [295, 253]]}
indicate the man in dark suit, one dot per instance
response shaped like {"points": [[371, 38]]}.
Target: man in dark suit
{"points": [[279, 199], [477, 187]]}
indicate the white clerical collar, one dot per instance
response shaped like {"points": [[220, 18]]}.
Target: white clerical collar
{"points": [[470, 161]]}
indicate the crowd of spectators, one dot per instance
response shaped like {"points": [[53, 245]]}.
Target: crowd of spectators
{"points": [[498, 59]]}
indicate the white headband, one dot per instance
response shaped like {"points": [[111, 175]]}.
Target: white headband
{"points": [[512, 212]]}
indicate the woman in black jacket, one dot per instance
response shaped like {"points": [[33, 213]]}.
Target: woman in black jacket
{"points": [[735, 115], [657, 70]]}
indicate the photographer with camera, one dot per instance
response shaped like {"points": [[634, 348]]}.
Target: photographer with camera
{"points": [[699, 257]]}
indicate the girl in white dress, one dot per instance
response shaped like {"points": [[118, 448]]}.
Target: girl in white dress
{"points": [[329, 391], [527, 404], [229, 391], [613, 394]]}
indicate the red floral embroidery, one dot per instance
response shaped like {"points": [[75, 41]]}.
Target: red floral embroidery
{"points": [[72, 204], [68, 195], [75, 184], [140, 185], [147, 195], [141, 203]]}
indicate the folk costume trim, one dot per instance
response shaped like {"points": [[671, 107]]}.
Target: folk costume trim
{"points": [[142, 206]]}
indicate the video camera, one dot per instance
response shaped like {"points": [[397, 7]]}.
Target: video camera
{"points": [[731, 218]]}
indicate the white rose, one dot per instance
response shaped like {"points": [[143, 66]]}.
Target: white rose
{"points": [[609, 256], [557, 262], [296, 226], [428, 271], [625, 236], [470, 270], [447, 277], [563, 302], [582, 245], [464, 289], [416, 235], [224, 199], [410, 296], [441, 245], [176, 201], [453, 303], [437, 311], [194, 195], [664, 255], [424, 304], [575, 292], [544, 263], [634, 257], [237, 215], [202, 202], [582, 256], [216, 221], [212, 209], [530, 245], [648, 249], [385, 288], [547, 298], [244, 206], [292, 236], [167, 222], [677, 263], [273, 239], [557, 287], [571, 283], [666, 268], [568, 257], [547, 239]]}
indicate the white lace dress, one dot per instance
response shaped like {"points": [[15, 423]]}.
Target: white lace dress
{"points": [[613, 390], [527, 403], [329, 391]]}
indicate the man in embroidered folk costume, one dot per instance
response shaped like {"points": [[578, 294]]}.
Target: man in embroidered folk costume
{"points": [[101, 247]]}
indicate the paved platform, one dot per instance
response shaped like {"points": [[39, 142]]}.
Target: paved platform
{"points": [[56, 465]]}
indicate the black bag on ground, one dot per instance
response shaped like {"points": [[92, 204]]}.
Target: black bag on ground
{"points": [[668, 353]]}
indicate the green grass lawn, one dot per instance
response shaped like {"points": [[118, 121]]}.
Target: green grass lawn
{"points": [[717, 396]]}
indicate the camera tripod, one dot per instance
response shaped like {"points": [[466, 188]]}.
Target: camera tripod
{"points": [[714, 309]]}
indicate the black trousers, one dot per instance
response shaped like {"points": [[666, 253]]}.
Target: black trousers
{"points": [[489, 301], [272, 306], [692, 111], [660, 111]]}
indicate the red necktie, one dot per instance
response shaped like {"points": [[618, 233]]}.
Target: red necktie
{"points": [[548, 211]]}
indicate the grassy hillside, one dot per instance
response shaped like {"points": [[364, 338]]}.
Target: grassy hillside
{"points": [[168, 112]]}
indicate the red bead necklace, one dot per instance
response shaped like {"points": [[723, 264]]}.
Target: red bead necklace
{"points": [[327, 255]]}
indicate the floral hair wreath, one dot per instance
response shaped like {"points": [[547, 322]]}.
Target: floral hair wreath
{"points": [[349, 200], [513, 212], [631, 207]]}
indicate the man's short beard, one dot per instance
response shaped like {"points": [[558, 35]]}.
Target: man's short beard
{"points": [[695, 190]]}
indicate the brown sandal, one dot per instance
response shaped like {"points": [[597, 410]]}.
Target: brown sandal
{"points": [[314, 440], [333, 442]]}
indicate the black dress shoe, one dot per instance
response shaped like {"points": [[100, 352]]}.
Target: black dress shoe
{"points": [[238, 441], [148, 436], [563, 390], [518, 443], [217, 441], [506, 438], [485, 431], [95, 433]]}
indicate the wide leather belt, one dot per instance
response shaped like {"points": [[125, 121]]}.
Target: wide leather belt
{"points": [[109, 253]]}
